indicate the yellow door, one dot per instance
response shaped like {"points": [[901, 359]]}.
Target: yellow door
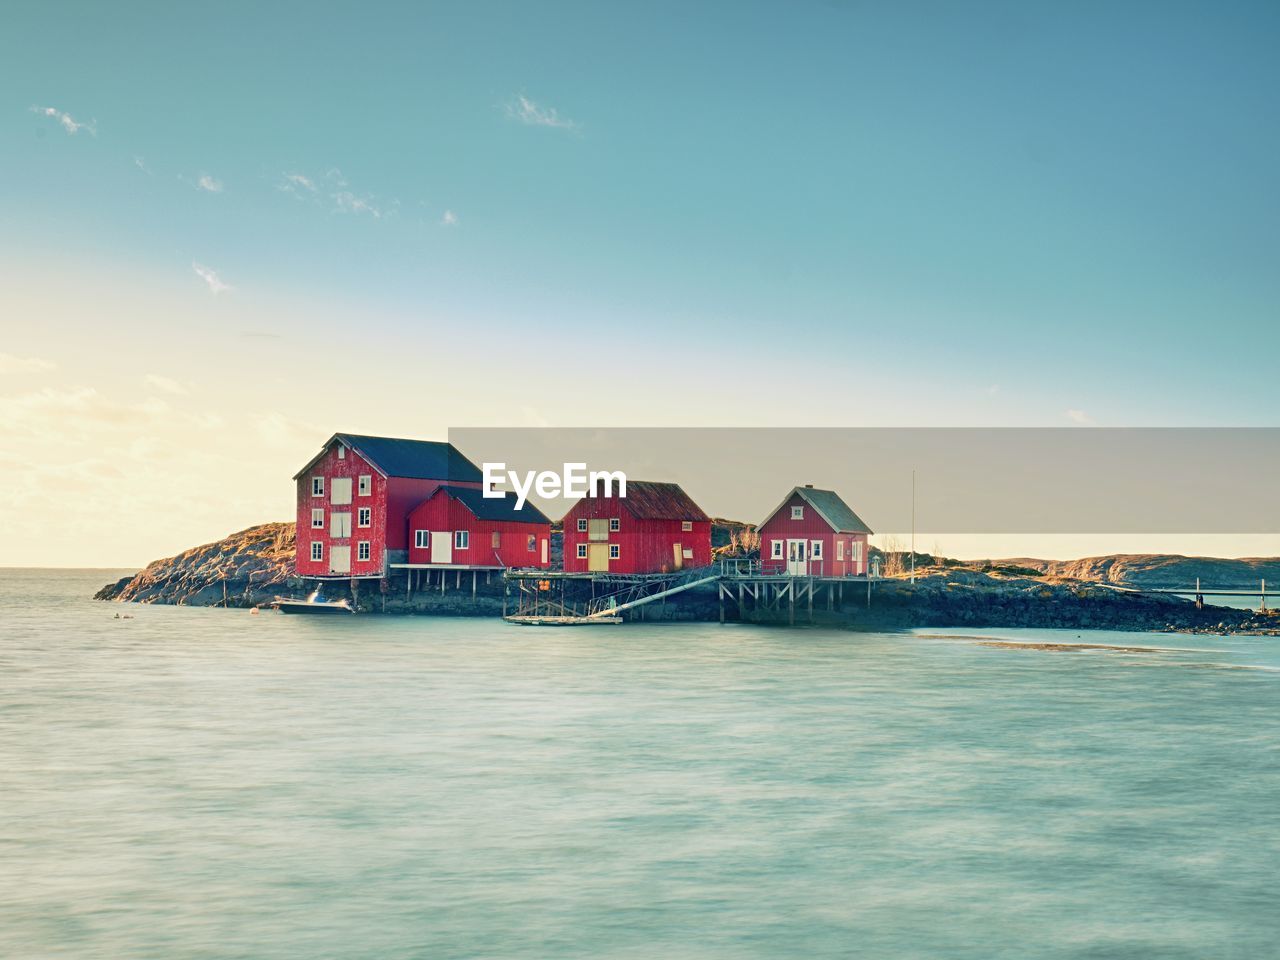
{"points": [[598, 557], [679, 564]]}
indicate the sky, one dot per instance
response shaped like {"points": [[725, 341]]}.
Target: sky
{"points": [[228, 232]]}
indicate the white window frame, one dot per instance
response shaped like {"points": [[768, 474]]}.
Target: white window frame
{"points": [[775, 549], [317, 551], [317, 518], [582, 524], [615, 551], [365, 484], [615, 524], [363, 550], [686, 526], [462, 539], [342, 452], [422, 539], [839, 550], [364, 516], [533, 543], [797, 513], [582, 551], [815, 549], [856, 550], [317, 486]]}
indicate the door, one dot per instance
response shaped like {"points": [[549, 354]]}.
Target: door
{"points": [[339, 525], [442, 546], [339, 559], [544, 551], [678, 560], [796, 563], [598, 528], [340, 490], [598, 557]]}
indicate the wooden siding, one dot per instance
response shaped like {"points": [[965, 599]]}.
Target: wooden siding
{"points": [[644, 546], [443, 513], [811, 527]]}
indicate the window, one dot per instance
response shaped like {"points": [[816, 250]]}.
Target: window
{"points": [[582, 551], [317, 519], [362, 550], [461, 539], [421, 539], [317, 550], [533, 543], [839, 549], [615, 524], [364, 517], [816, 553], [497, 540], [687, 553], [339, 524], [366, 484], [855, 550], [775, 551], [797, 513], [614, 549], [687, 526], [317, 486], [582, 525], [342, 452]]}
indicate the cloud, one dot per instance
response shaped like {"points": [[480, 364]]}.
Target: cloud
{"points": [[14, 365], [347, 202], [1080, 417], [210, 276], [69, 123], [534, 115], [141, 164], [208, 184], [450, 219], [297, 184], [165, 384]]}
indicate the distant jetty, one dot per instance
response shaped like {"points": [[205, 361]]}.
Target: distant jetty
{"points": [[253, 566]]}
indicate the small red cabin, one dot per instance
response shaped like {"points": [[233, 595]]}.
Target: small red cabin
{"points": [[655, 528], [461, 527], [354, 499], [814, 533]]}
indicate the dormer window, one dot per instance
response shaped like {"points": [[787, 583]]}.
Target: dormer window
{"points": [[342, 452], [797, 513]]}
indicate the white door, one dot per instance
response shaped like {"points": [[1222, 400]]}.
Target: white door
{"points": [[339, 559], [544, 551], [339, 525], [796, 564], [340, 490], [442, 546]]}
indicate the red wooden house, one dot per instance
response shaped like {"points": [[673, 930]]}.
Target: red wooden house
{"points": [[655, 528], [461, 527], [814, 533], [354, 499]]}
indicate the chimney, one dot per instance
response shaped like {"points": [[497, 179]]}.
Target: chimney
{"points": [[808, 486]]}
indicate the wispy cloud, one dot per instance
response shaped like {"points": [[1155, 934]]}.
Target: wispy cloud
{"points": [[69, 123], [297, 184], [1080, 417], [14, 365], [210, 277], [208, 184], [347, 202], [535, 115], [165, 384], [141, 164], [450, 219]]}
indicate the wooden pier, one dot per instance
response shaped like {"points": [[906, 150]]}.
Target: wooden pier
{"points": [[743, 587]]}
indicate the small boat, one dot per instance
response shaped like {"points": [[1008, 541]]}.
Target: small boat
{"points": [[311, 604]]}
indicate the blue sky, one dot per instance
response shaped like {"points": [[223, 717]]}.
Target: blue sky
{"points": [[997, 213]]}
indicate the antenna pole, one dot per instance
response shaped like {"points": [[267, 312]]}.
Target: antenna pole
{"points": [[913, 526]]}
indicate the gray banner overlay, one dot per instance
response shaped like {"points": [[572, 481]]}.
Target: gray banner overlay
{"points": [[1033, 480]]}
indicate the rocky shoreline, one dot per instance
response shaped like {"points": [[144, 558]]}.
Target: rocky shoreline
{"points": [[253, 566]]}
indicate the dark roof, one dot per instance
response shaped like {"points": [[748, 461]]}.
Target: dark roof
{"points": [[415, 459], [839, 516], [494, 508], [649, 500]]}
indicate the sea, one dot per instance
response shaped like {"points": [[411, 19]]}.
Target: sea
{"points": [[192, 783]]}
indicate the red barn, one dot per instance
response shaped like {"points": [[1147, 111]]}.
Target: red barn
{"points": [[461, 527], [814, 533], [655, 528], [354, 499]]}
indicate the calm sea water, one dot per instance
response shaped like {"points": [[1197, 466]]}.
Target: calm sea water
{"points": [[195, 783]]}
